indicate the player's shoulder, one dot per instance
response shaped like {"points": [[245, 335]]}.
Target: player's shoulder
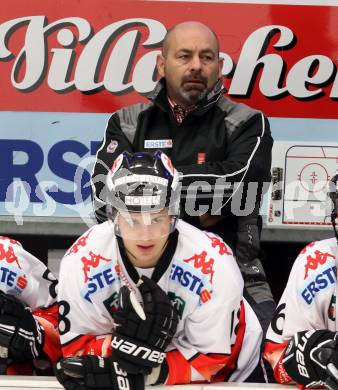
{"points": [[318, 254], [191, 236], [314, 271], [14, 253], [96, 240], [207, 246], [7, 242]]}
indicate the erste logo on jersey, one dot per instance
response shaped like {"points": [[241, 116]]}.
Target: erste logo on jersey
{"points": [[321, 281], [192, 279], [11, 275]]}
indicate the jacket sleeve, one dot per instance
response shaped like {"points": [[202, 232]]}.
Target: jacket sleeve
{"points": [[247, 159], [115, 142]]}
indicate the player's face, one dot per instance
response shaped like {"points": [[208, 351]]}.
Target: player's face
{"points": [[144, 236], [191, 64]]}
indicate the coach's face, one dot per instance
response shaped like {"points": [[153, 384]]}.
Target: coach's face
{"points": [[190, 63]]}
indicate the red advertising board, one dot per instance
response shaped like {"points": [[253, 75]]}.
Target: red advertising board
{"points": [[85, 56]]}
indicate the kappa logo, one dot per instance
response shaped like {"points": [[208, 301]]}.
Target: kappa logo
{"points": [[8, 255], [11, 240], [92, 262], [200, 262], [223, 249], [80, 242], [312, 263]]}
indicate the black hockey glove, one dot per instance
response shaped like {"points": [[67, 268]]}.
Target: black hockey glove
{"points": [[311, 358], [143, 333], [95, 372], [21, 336]]}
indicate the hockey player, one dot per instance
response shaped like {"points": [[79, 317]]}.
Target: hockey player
{"points": [[156, 300], [302, 340], [29, 340]]}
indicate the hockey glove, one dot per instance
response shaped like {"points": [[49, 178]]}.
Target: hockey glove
{"points": [[143, 333], [21, 336], [311, 358], [95, 372]]}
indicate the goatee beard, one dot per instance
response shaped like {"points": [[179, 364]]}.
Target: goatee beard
{"points": [[193, 99]]}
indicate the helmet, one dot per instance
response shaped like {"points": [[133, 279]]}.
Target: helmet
{"points": [[333, 195], [142, 182]]}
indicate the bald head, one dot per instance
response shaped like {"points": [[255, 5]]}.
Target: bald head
{"points": [[189, 62], [191, 27]]}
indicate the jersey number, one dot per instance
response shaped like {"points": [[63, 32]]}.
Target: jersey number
{"points": [[64, 323]]}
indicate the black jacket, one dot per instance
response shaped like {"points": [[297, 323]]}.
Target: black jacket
{"points": [[234, 139]]}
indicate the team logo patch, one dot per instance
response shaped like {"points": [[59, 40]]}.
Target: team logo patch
{"points": [[158, 144], [178, 303], [112, 146]]}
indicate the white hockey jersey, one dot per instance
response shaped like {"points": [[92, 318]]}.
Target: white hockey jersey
{"points": [[24, 276], [29, 280], [308, 301], [218, 336]]}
